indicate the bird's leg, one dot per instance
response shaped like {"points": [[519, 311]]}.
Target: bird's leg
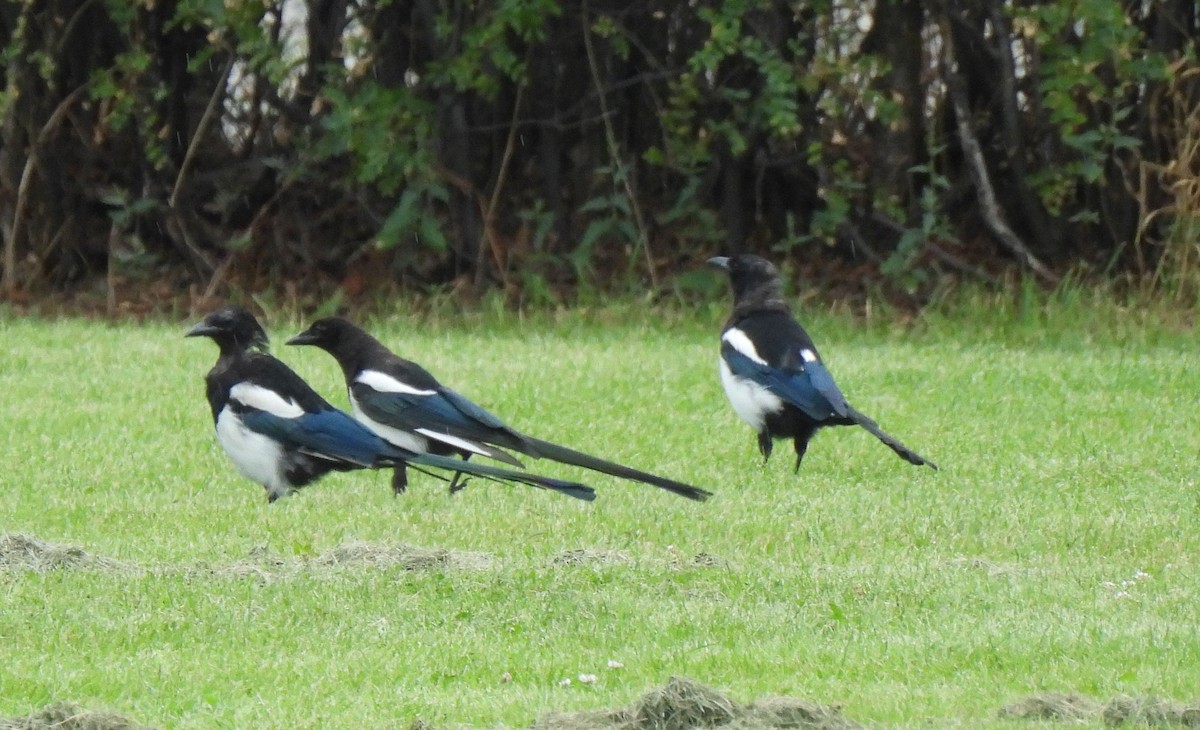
{"points": [[765, 444], [399, 480], [455, 484], [801, 444]]}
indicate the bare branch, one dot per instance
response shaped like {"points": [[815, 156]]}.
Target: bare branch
{"points": [[993, 215], [31, 164], [613, 150], [489, 214], [206, 121]]}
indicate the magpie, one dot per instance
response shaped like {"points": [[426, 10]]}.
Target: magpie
{"points": [[772, 374], [283, 435], [406, 405]]}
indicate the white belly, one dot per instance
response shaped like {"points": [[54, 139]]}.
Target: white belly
{"points": [[751, 401], [257, 457]]}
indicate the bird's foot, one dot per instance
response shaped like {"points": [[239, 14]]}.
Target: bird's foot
{"points": [[765, 446], [399, 483]]}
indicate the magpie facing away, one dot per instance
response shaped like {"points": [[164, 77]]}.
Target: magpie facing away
{"points": [[771, 371], [281, 434], [407, 406]]}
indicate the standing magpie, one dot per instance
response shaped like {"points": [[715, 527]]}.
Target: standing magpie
{"points": [[771, 371], [407, 406], [281, 434]]}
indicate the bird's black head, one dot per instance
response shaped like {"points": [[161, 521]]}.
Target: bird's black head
{"points": [[233, 329], [350, 345], [755, 280], [332, 334]]}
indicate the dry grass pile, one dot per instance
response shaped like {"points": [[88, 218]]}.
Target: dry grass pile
{"points": [[265, 564], [686, 705], [586, 556], [69, 716], [1053, 706], [1133, 711], [20, 551], [1150, 711], [408, 557]]}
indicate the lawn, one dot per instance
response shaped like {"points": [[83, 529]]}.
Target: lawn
{"points": [[1056, 550]]}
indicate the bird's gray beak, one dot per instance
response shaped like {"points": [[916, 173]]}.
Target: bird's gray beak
{"points": [[719, 262], [201, 329], [304, 338]]}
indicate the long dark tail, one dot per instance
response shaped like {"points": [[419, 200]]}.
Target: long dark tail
{"points": [[578, 458], [571, 489], [905, 453]]}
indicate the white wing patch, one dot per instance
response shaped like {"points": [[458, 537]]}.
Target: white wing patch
{"points": [[385, 383], [808, 355], [455, 441], [740, 342], [266, 400]]}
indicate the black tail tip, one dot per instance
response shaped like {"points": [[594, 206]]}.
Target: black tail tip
{"points": [[916, 460], [578, 491]]}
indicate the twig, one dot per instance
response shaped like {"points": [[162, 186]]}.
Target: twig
{"points": [[175, 218], [31, 164], [938, 252], [993, 216], [859, 241], [962, 266], [201, 129], [611, 137], [220, 270], [72, 24], [489, 215], [110, 276]]}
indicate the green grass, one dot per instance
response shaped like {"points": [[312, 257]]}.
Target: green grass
{"points": [[1056, 549]]}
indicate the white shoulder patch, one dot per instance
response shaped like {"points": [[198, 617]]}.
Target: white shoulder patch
{"points": [[808, 355], [266, 400], [738, 340], [385, 383]]}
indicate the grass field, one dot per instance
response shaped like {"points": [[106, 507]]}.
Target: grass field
{"points": [[1056, 550]]}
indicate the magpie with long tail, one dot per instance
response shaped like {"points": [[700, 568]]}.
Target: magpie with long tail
{"points": [[283, 435], [406, 405], [773, 376]]}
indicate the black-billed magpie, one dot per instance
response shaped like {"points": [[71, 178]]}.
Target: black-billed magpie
{"points": [[407, 406], [281, 434], [772, 374]]}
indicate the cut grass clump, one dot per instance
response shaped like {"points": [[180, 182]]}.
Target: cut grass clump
{"points": [[22, 551], [408, 557], [584, 556], [1150, 711], [684, 704], [1069, 707], [70, 716], [265, 564], [790, 712], [1120, 711]]}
